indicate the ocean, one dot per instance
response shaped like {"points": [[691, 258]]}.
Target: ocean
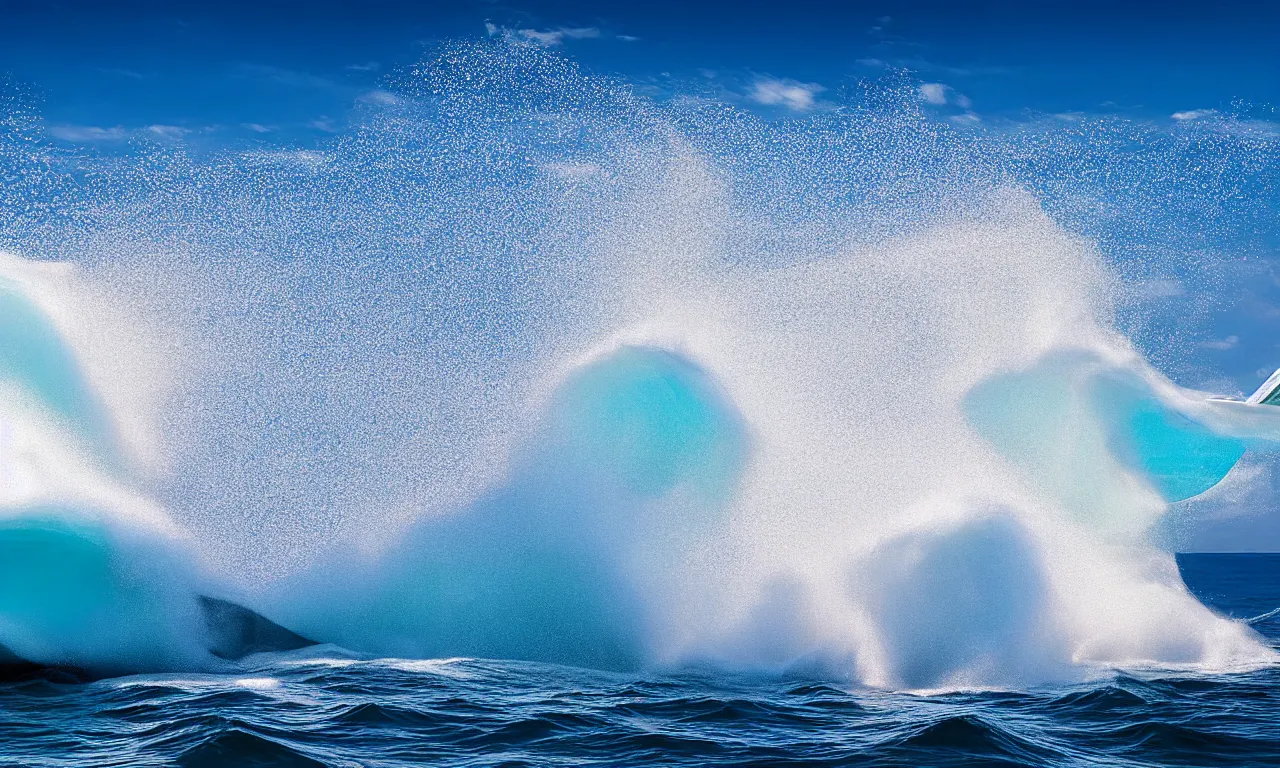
{"points": [[327, 707]]}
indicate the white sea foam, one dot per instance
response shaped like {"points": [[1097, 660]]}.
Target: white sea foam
{"points": [[838, 393]]}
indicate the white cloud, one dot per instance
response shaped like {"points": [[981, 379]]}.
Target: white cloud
{"points": [[933, 93], [258, 127], [789, 93], [167, 132], [385, 98], [87, 133], [1194, 114], [968, 118], [554, 37], [627, 38], [549, 38], [368, 66], [1231, 342], [323, 124]]}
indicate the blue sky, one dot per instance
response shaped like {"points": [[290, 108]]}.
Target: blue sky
{"points": [[227, 72]]}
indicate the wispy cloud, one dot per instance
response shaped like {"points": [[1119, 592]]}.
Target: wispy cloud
{"points": [[792, 94], [368, 66], [940, 95], [88, 133], [258, 127], [122, 72], [1231, 342], [91, 134], [167, 132], [922, 65], [290, 78], [933, 93], [323, 123], [549, 38], [1193, 114], [554, 37], [379, 96], [627, 38]]}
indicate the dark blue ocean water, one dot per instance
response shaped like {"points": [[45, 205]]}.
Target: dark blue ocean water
{"points": [[320, 707]]}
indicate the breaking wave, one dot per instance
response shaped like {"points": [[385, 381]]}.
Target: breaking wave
{"points": [[526, 366]]}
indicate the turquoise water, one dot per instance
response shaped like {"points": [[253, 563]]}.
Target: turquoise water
{"points": [[33, 353]]}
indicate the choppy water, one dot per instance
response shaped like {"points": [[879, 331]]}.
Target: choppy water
{"points": [[324, 707]]}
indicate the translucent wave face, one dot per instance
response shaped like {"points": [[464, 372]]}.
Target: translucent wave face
{"points": [[645, 421], [73, 592], [92, 574], [36, 361], [1182, 457], [1082, 426], [537, 568]]}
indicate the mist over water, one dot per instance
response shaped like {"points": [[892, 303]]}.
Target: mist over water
{"points": [[525, 365]]}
